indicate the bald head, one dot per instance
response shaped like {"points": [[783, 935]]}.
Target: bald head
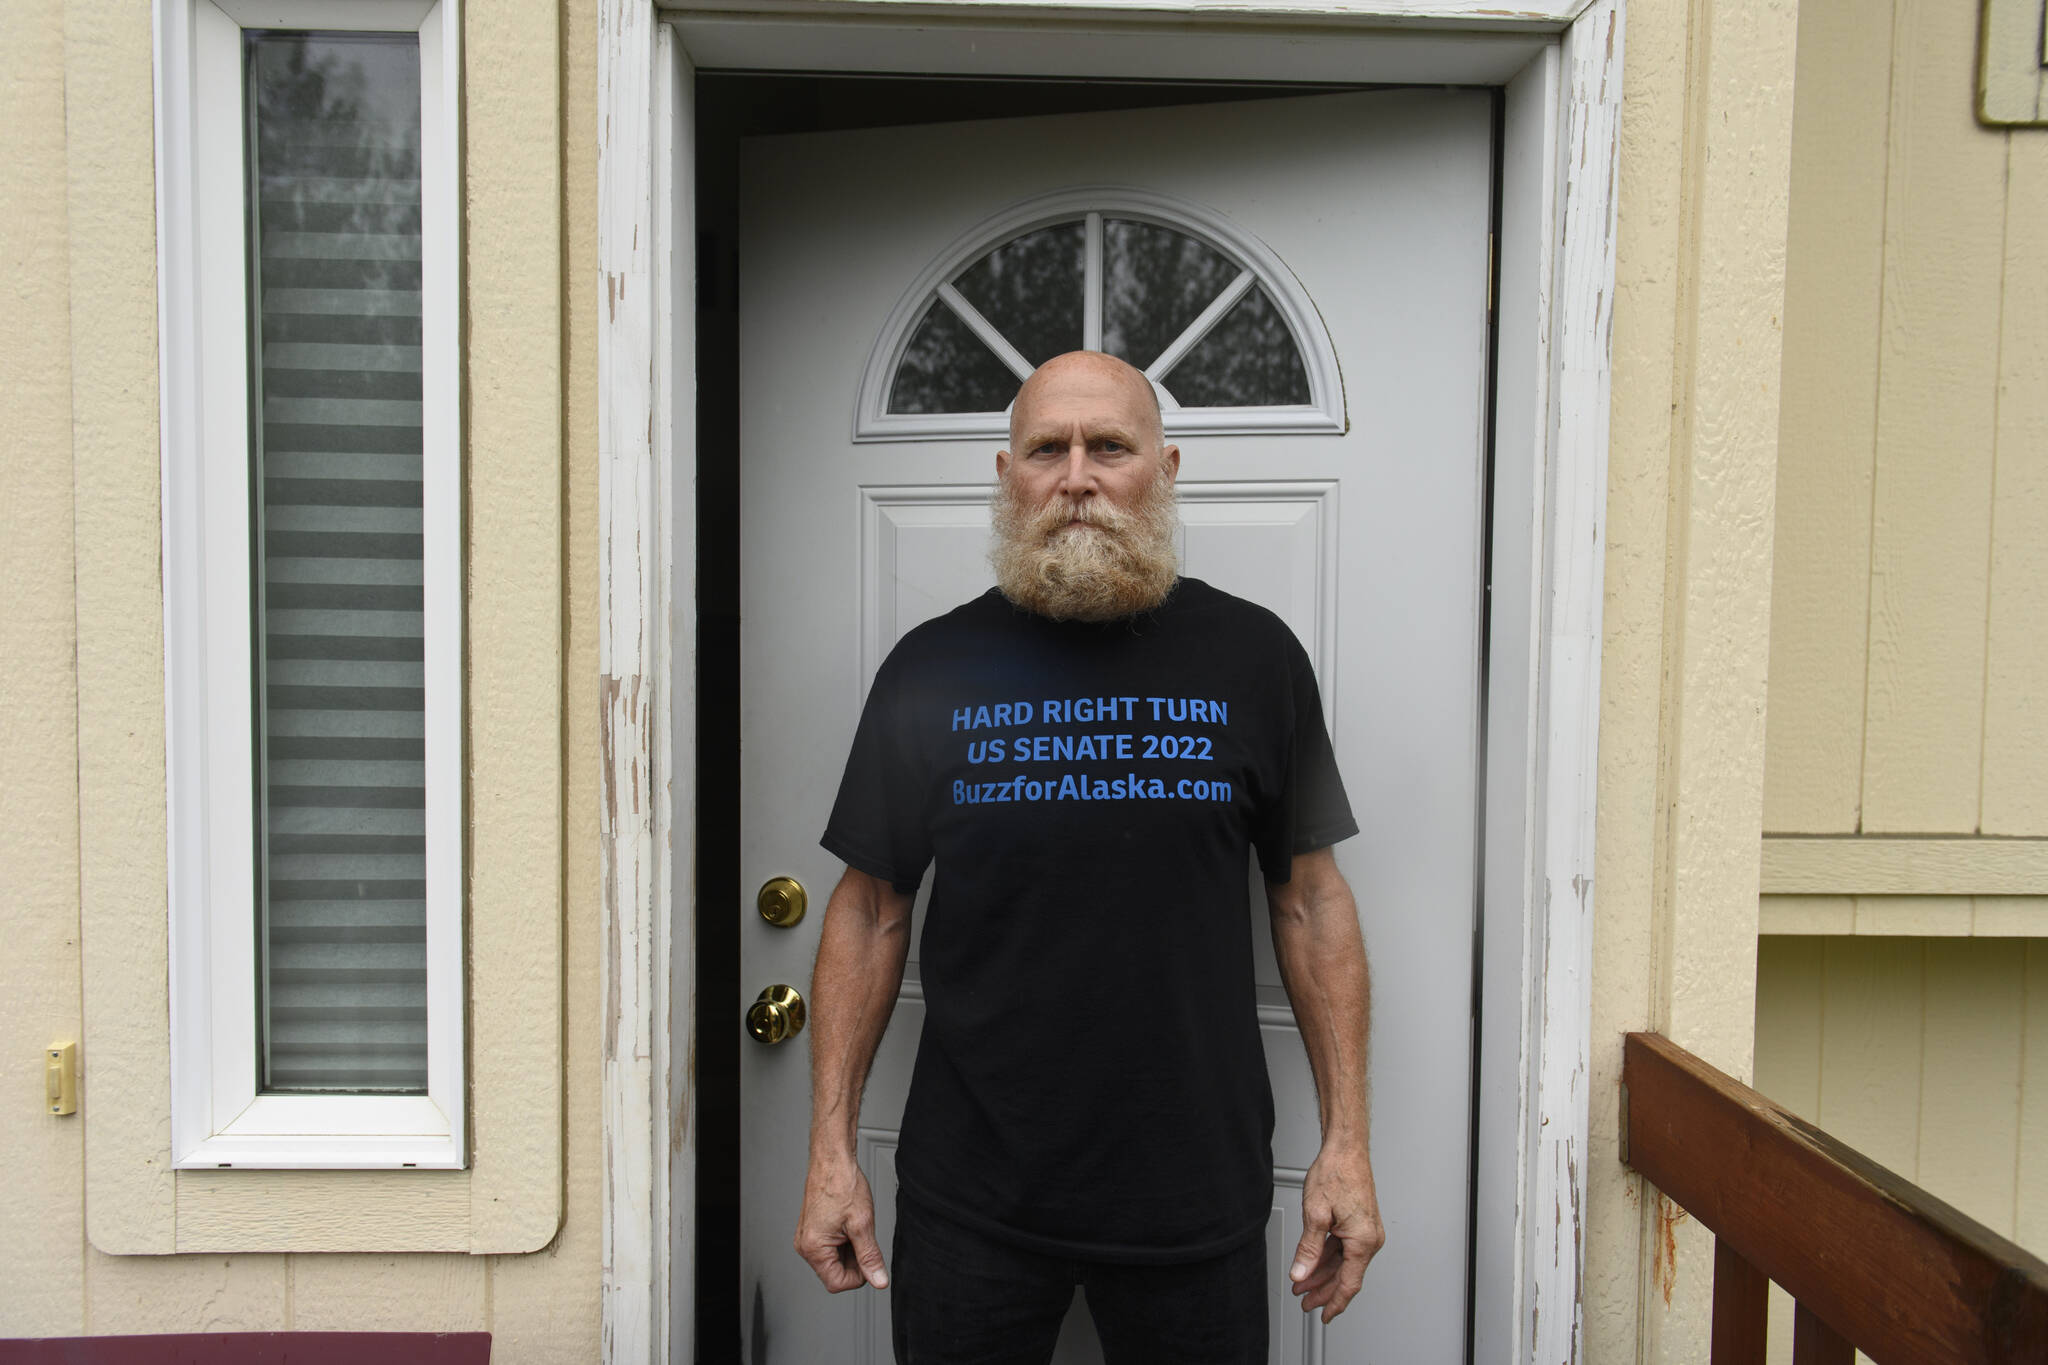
{"points": [[1062, 386]]}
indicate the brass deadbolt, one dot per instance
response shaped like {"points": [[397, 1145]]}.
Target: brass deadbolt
{"points": [[777, 1016], [782, 901]]}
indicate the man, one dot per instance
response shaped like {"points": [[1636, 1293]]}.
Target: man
{"points": [[1091, 752]]}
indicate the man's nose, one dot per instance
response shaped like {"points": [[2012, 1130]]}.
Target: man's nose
{"points": [[1077, 475]]}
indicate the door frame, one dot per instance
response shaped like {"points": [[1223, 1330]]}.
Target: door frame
{"points": [[1558, 63]]}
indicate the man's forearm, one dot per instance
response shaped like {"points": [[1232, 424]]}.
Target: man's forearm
{"points": [[1322, 963], [861, 951]]}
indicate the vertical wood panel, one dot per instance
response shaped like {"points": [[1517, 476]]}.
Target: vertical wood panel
{"points": [[1871, 1048], [1939, 1072], [1816, 1343], [1834, 261], [1944, 234], [1942, 1079], [2030, 1216], [1789, 996], [1790, 991], [2016, 682], [1970, 1077], [1741, 1299]]}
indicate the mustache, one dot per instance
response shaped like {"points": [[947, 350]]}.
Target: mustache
{"points": [[1064, 509]]}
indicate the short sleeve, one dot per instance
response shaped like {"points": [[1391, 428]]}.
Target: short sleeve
{"points": [[1310, 810], [878, 819]]}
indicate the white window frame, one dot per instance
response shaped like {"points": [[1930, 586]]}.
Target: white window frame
{"points": [[217, 1116]]}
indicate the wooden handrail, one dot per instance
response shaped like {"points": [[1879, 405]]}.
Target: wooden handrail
{"points": [[1875, 1261]]}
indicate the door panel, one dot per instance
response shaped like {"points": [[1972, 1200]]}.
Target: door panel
{"points": [[1366, 542]]}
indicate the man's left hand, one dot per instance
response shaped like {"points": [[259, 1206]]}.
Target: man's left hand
{"points": [[1341, 1230]]}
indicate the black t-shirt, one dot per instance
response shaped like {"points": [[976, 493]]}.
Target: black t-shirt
{"points": [[1090, 1080]]}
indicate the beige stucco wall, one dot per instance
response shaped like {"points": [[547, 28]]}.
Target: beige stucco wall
{"points": [[81, 818], [1706, 143], [42, 1221]]}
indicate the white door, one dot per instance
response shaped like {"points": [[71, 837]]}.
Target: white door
{"points": [[1356, 515]]}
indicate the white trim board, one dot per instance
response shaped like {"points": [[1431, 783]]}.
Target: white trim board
{"points": [[1560, 65], [645, 446], [1196, 47], [646, 645]]}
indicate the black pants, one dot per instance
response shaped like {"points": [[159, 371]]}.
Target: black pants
{"points": [[960, 1297]]}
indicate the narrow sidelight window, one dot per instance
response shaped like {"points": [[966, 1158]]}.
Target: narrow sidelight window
{"points": [[309, 259]]}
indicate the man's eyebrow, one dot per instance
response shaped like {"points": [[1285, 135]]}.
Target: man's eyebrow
{"points": [[1112, 433], [1094, 433]]}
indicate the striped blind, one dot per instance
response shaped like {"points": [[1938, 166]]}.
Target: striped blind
{"points": [[334, 132]]}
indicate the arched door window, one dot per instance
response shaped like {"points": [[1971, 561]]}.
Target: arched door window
{"points": [[1223, 330]]}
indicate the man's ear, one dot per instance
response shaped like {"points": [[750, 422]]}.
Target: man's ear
{"points": [[1002, 463], [1172, 457]]}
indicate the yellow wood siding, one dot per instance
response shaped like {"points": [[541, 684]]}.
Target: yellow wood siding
{"points": [[1902, 986], [1929, 1055], [2016, 679], [1909, 672], [1827, 419]]}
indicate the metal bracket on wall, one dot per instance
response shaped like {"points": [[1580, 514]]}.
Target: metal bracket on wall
{"points": [[2012, 70], [60, 1077]]}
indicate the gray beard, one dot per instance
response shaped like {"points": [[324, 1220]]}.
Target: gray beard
{"points": [[1121, 563]]}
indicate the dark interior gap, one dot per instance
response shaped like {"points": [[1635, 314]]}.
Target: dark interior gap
{"points": [[1490, 425]]}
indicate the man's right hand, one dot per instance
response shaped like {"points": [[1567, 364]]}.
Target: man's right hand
{"points": [[836, 1231]]}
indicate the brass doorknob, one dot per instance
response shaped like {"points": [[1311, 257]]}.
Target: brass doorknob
{"points": [[777, 1016], [781, 902]]}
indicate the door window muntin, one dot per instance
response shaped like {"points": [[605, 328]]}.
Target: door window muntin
{"points": [[1229, 342]]}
